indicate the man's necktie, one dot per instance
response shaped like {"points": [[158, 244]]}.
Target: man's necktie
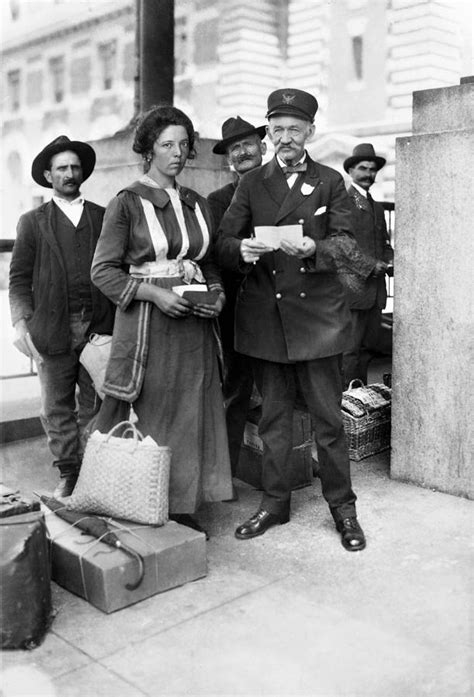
{"points": [[294, 169], [371, 202]]}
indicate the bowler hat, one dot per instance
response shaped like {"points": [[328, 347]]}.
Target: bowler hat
{"points": [[364, 151], [292, 102], [234, 129], [85, 153]]}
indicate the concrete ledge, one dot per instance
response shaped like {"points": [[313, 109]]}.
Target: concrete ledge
{"points": [[20, 429], [443, 109]]}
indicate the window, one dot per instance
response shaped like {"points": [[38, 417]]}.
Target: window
{"points": [[56, 67], [13, 79], [357, 56], [107, 56], [34, 87], [181, 46], [205, 41], [80, 74]]}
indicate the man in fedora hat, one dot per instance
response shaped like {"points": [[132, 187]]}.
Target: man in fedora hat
{"points": [[368, 299], [54, 305], [291, 313], [243, 147]]}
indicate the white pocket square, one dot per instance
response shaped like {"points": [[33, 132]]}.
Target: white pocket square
{"points": [[320, 210]]}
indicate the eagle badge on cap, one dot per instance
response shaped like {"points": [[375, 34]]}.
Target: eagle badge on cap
{"points": [[288, 98]]}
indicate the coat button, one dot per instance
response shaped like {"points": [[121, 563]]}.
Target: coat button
{"points": [[303, 270], [274, 272], [278, 296], [302, 295]]}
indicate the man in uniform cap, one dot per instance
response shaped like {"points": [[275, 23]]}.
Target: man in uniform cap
{"points": [[54, 306], [367, 300], [243, 147], [291, 314]]}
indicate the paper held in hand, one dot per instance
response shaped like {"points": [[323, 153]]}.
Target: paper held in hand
{"points": [[272, 235]]}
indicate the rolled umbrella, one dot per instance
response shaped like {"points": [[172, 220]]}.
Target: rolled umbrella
{"points": [[96, 527]]}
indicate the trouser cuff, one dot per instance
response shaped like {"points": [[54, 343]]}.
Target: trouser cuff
{"points": [[276, 506], [342, 512]]}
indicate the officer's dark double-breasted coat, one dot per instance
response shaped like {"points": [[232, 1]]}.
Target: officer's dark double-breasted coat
{"points": [[289, 309]]}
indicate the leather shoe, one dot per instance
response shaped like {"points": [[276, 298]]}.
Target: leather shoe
{"points": [[352, 535], [259, 523], [66, 486]]}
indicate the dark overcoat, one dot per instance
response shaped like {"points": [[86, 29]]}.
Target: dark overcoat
{"points": [[370, 231], [219, 201], [38, 280], [289, 309]]}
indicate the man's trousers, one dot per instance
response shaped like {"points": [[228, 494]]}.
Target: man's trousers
{"points": [[237, 389], [365, 331], [319, 381], [68, 399]]}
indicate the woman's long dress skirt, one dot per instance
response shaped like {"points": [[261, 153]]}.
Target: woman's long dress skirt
{"points": [[181, 405]]}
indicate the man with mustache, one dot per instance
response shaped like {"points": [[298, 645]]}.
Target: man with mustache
{"points": [[243, 147], [54, 305], [292, 318], [367, 300]]}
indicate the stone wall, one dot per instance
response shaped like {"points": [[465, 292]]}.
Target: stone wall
{"points": [[432, 442]]}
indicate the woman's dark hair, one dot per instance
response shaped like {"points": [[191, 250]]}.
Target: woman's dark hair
{"points": [[153, 122]]}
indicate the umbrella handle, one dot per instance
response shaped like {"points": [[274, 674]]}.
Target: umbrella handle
{"points": [[141, 565]]}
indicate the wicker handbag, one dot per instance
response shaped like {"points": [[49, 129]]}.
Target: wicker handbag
{"points": [[94, 357], [366, 414], [124, 477]]}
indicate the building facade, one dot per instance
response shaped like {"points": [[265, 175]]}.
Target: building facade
{"points": [[71, 68]]}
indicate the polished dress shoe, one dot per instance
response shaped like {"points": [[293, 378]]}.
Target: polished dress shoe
{"points": [[259, 523], [352, 535], [66, 486]]}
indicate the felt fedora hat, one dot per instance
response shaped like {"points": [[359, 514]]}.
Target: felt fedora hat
{"points": [[42, 161], [364, 151], [292, 102], [235, 129]]}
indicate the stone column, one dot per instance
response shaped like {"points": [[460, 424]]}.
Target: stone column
{"points": [[156, 50], [432, 416]]}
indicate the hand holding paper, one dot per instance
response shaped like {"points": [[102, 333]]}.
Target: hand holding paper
{"points": [[272, 235], [252, 249], [305, 248]]}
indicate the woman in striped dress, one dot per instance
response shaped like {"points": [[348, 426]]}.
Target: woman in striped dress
{"points": [[158, 235]]}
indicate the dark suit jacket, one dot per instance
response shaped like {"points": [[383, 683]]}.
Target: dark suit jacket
{"points": [[219, 202], [370, 231], [38, 282], [289, 309]]}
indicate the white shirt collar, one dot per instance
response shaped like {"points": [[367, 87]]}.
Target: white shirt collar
{"points": [[62, 202], [282, 163], [360, 189]]}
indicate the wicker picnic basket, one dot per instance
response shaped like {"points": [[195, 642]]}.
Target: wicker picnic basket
{"points": [[366, 412]]}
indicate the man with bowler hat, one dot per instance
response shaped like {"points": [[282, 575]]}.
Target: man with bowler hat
{"points": [[54, 306], [292, 317], [367, 300], [243, 147]]}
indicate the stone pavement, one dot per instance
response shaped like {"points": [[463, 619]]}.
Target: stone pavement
{"points": [[288, 613]]}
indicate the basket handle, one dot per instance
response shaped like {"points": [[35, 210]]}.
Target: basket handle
{"points": [[357, 382], [137, 435], [99, 339]]}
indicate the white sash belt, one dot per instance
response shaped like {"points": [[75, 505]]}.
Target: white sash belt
{"points": [[186, 269]]}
